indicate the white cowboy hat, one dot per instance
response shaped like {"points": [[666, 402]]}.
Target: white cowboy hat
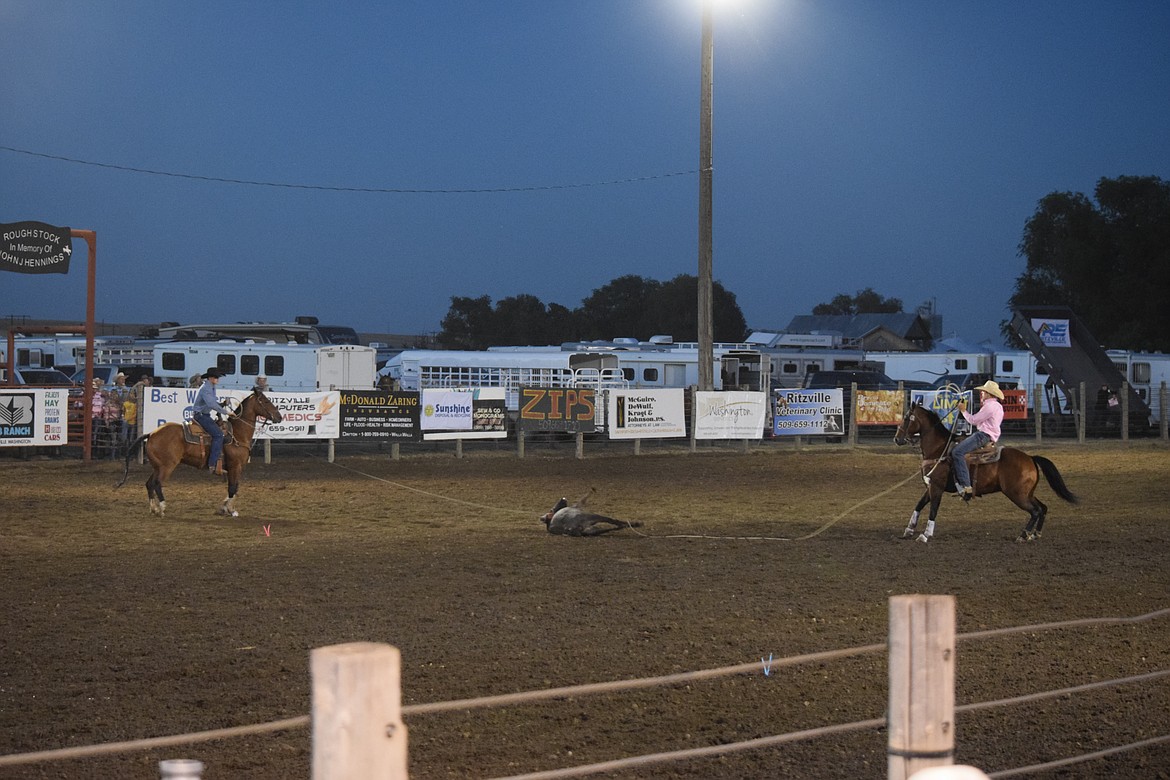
{"points": [[991, 388]]}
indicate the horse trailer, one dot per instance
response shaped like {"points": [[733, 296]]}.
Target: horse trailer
{"points": [[417, 369], [288, 367], [662, 363]]}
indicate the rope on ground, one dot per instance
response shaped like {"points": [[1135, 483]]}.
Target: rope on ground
{"points": [[434, 495], [820, 530]]}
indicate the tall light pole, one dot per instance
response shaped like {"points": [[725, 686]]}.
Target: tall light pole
{"points": [[706, 340]]}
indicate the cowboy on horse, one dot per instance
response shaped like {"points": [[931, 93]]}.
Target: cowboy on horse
{"points": [[206, 403]]}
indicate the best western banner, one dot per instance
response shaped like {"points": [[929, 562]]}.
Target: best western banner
{"points": [[35, 248], [34, 417], [646, 414], [730, 415], [808, 413], [464, 414], [305, 415]]}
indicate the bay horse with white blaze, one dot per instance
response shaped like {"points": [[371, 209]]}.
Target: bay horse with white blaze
{"points": [[167, 446], [1015, 474]]}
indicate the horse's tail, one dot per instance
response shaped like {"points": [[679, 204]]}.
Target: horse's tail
{"points": [[1055, 481], [129, 454]]}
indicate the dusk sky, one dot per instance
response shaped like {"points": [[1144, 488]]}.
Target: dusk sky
{"points": [[547, 147]]}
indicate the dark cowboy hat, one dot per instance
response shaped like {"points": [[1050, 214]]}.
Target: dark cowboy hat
{"points": [[215, 372]]}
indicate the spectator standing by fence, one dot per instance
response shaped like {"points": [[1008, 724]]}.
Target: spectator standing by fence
{"points": [[117, 395], [97, 418], [112, 427], [133, 405]]}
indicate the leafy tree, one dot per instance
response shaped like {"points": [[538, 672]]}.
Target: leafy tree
{"points": [[467, 323], [1109, 262], [627, 306], [864, 302], [521, 319], [674, 311], [617, 309]]}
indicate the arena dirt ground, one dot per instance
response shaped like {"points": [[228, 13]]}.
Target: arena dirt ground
{"points": [[119, 626]]}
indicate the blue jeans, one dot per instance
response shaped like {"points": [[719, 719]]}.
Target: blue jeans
{"points": [[208, 424], [959, 461]]}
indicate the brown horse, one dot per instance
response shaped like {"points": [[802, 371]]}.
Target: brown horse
{"points": [[167, 446], [1015, 474]]}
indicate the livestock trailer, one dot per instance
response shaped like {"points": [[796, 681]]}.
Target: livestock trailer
{"points": [[288, 367]]}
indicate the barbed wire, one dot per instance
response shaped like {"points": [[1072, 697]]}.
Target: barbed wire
{"points": [[328, 188]]}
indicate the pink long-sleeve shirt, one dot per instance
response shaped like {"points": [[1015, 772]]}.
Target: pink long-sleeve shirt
{"points": [[988, 419]]}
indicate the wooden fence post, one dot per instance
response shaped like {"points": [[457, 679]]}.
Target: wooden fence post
{"points": [[1162, 417], [1125, 411], [358, 733], [853, 415], [1038, 410], [921, 716]]}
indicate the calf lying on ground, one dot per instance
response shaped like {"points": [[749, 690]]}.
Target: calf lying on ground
{"points": [[575, 521]]}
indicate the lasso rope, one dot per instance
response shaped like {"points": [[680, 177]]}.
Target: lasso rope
{"points": [[817, 532]]}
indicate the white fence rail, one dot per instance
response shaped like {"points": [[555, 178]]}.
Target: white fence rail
{"points": [[357, 727]]}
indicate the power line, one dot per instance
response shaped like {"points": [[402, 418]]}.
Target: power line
{"points": [[326, 188]]}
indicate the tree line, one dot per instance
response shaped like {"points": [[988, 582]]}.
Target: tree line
{"points": [[1108, 260], [628, 306]]}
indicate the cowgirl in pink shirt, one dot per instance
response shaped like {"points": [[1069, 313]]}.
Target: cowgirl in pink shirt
{"points": [[986, 423]]}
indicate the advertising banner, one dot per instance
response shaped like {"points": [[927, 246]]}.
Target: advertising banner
{"points": [[879, 407], [730, 415], [809, 413], [1054, 333], [446, 410], [481, 413], [646, 414], [306, 415], [566, 409], [1015, 404], [34, 417], [380, 415], [35, 248], [944, 403]]}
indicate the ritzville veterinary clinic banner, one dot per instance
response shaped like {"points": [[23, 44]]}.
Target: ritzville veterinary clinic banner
{"points": [[808, 413]]}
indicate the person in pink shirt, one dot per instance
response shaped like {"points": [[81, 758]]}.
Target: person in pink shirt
{"points": [[986, 424]]}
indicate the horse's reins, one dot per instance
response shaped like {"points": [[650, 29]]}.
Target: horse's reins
{"points": [[951, 390]]}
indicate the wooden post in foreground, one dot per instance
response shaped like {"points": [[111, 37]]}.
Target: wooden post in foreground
{"points": [[921, 730], [358, 733]]}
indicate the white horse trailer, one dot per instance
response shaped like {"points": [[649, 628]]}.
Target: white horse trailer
{"points": [[1146, 372], [788, 366], [416, 369], [929, 366], [288, 367], [66, 352]]}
